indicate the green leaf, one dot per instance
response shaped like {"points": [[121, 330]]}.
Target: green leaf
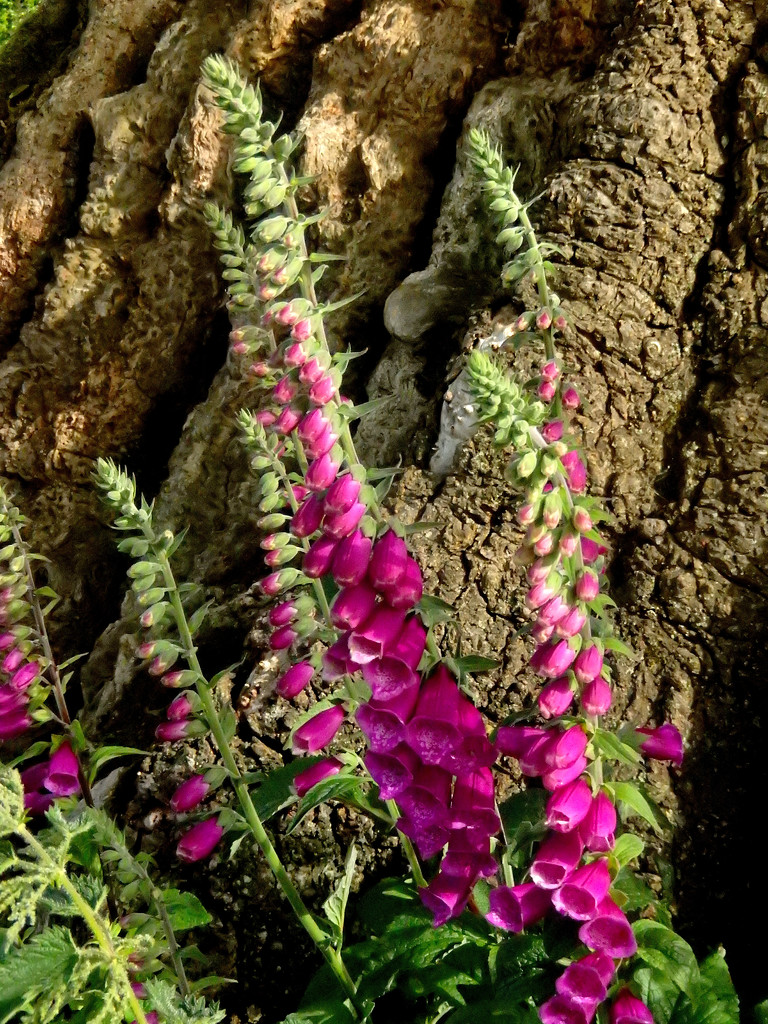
{"points": [[631, 795], [612, 643], [637, 895], [355, 412], [185, 910], [101, 755], [627, 848], [476, 663], [714, 999], [434, 610], [197, 618], [40, 969], [667, 954], [336, 905], [349, 789], [609, 745], [522, 817], [275, 792]]}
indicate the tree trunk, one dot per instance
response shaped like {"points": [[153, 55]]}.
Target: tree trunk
{"points": [[642, 123]]}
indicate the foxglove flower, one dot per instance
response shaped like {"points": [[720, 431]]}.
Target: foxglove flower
{"points": [[200, 841], [392, 772], [609, 932], [189, 794], [295, 679], [556, 858], [596, 697], [599, 826], [555, 698], [568, 806], [583, 891], [514, 908], [588, 664], [318, 731], [562, 1010], [586, 981], [627, 1009], [342, 494], [63, 772], [324, 769], [663, 744], [388, 561], [351, 558], [378, 634]]}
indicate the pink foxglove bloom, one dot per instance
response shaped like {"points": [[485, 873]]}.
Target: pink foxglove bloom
{"points": [[568, 806], [517, 740], [282, 638], [199, 842], [284, 391], [321, 473], [322, 391], [553, 660], [426, 800], [432, 732], [596, 697], [311, 372], [627, 1009], [312, 426], [408, 590], [337, 661], [411, 642], [302, 329], [319, 558], [388, 677], [591, 550], [12, 661], [587, 586], [307, 518], [180, 707], [295, 355], [473, 805], [283, 613], [569, 541], [14, 723], [552, 431], [582, 520], [513, 909], [341, 524], [378, 634], [555, 698], [324, 769], [388, 561], [571, 623], [559, 777], [546, 391], [588, 664], [475, 750], [342, 494], [571, 398], [563, 1010], [392, 772], [599, 826], [556, 858], [295, 679], [23, 677], [663, 744], [583, 891], [565, 747], [351, 558], [169, 732], [318, 731], [587, 980], [609, 932], [63, 772], [322, 444], [287, 420], [445, 896], [550, 370], [189, 794], [352, 606], [575, 471]]}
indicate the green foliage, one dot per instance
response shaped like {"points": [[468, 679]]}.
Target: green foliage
{"points": [[12, 13]]}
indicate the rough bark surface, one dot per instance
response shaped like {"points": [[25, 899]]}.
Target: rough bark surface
{"points": [[644, 125]]}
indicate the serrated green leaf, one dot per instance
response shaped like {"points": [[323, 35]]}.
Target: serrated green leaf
{"points": [[185, 910], [637, 895], [336, 905], [275, 791], [39, 969], [523, 817], [668, 954], [347, 788]]}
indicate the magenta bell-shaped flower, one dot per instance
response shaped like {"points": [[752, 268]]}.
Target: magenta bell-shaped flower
{"points": [[599, 826], [318, 731], [324, 769], [322, 444], [445, 896], [378, 634], [559, 777], [663, 744], [587, 586], [568, 806], [628, 1009], [342, 494], [23, 677], [352, 606], [63, 772], [311, 371], [392, 772], [426, 800], [513, 909], [319, 558], [553, 659], [563, 1010], [312, 426], [295, 679], [556, 858], [388, 677], [588, 664], [351, 558], [571, 623], [322, 391], [596, 697], [586, 981], [388, 561], [383, 721], [199, 841], [565, 747], [321, 473], [555, 698], [307, 518], [433, 732], [583, 891], [180, 707], [407, 591], [189, 794], [609, 931], [473, 805], [341, 524], [475, 749]]}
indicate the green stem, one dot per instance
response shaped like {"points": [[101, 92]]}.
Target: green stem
{"points": [[540, 273], [98, 929], [410, 852], [256, 826]]}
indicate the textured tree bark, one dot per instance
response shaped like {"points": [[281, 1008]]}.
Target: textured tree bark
{"points": [[644, 126]]}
